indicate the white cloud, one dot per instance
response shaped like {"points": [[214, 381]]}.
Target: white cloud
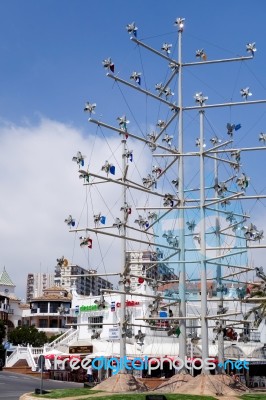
{"points": [[40, 188]]}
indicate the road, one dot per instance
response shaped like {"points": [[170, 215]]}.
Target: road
{"points": [[12, 385]]}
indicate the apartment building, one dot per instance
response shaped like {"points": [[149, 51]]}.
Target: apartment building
{"points": [[37, 283], [65, 276]]}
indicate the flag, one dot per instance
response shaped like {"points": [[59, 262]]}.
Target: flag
{"points": [[112, 170]]}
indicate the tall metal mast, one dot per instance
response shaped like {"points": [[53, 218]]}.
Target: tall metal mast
{"points": [[182, 276], [204, 321], [123, 322], [204, 203], [220, 334]]}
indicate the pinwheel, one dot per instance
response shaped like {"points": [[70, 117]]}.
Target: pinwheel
{"points": [[131, 28], [231, 128], [108, 64], [101, 303], [149, 181], [107, 167], [243, 181], [201, 54], [251, 48], [79, 159], [85, 241], [95, 334], [90, 107], [262, 138], [142, 222], [245, 93], [191, 225], [199, 98], [168, 139], [179, 22], [123, 122], [70, 221], [168, 200], [135, 76], [167, 47]]}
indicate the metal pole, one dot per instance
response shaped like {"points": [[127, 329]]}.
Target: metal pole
{"points": [[218, 267], [123, 289], [221, 349], [42, 366], [182, 277], [191, 357], [204, 321]]}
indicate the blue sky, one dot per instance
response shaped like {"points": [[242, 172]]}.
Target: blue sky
{"points": [[52, 50], [50, 64]]}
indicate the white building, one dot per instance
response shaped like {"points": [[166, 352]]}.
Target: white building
{"points": [[66, 277], [10, 303], [37, 283]]}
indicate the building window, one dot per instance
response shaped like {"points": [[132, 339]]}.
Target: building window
{"points": [[54, 306], [43, 307], [43, 323], [54, 323], [96, 320]]}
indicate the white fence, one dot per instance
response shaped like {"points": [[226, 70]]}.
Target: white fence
{"points": [[29, 353]]}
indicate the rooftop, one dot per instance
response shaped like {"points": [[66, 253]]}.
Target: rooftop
{"points": [[5, 279]]}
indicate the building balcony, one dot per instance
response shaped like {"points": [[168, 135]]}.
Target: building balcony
{"points": [[52, 313], [53, 330], [4, 307]]}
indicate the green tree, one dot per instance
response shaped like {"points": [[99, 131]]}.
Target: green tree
{"points": [[24, 335]]}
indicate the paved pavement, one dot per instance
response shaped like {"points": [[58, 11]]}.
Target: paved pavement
{"points": [[13, 386]]}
